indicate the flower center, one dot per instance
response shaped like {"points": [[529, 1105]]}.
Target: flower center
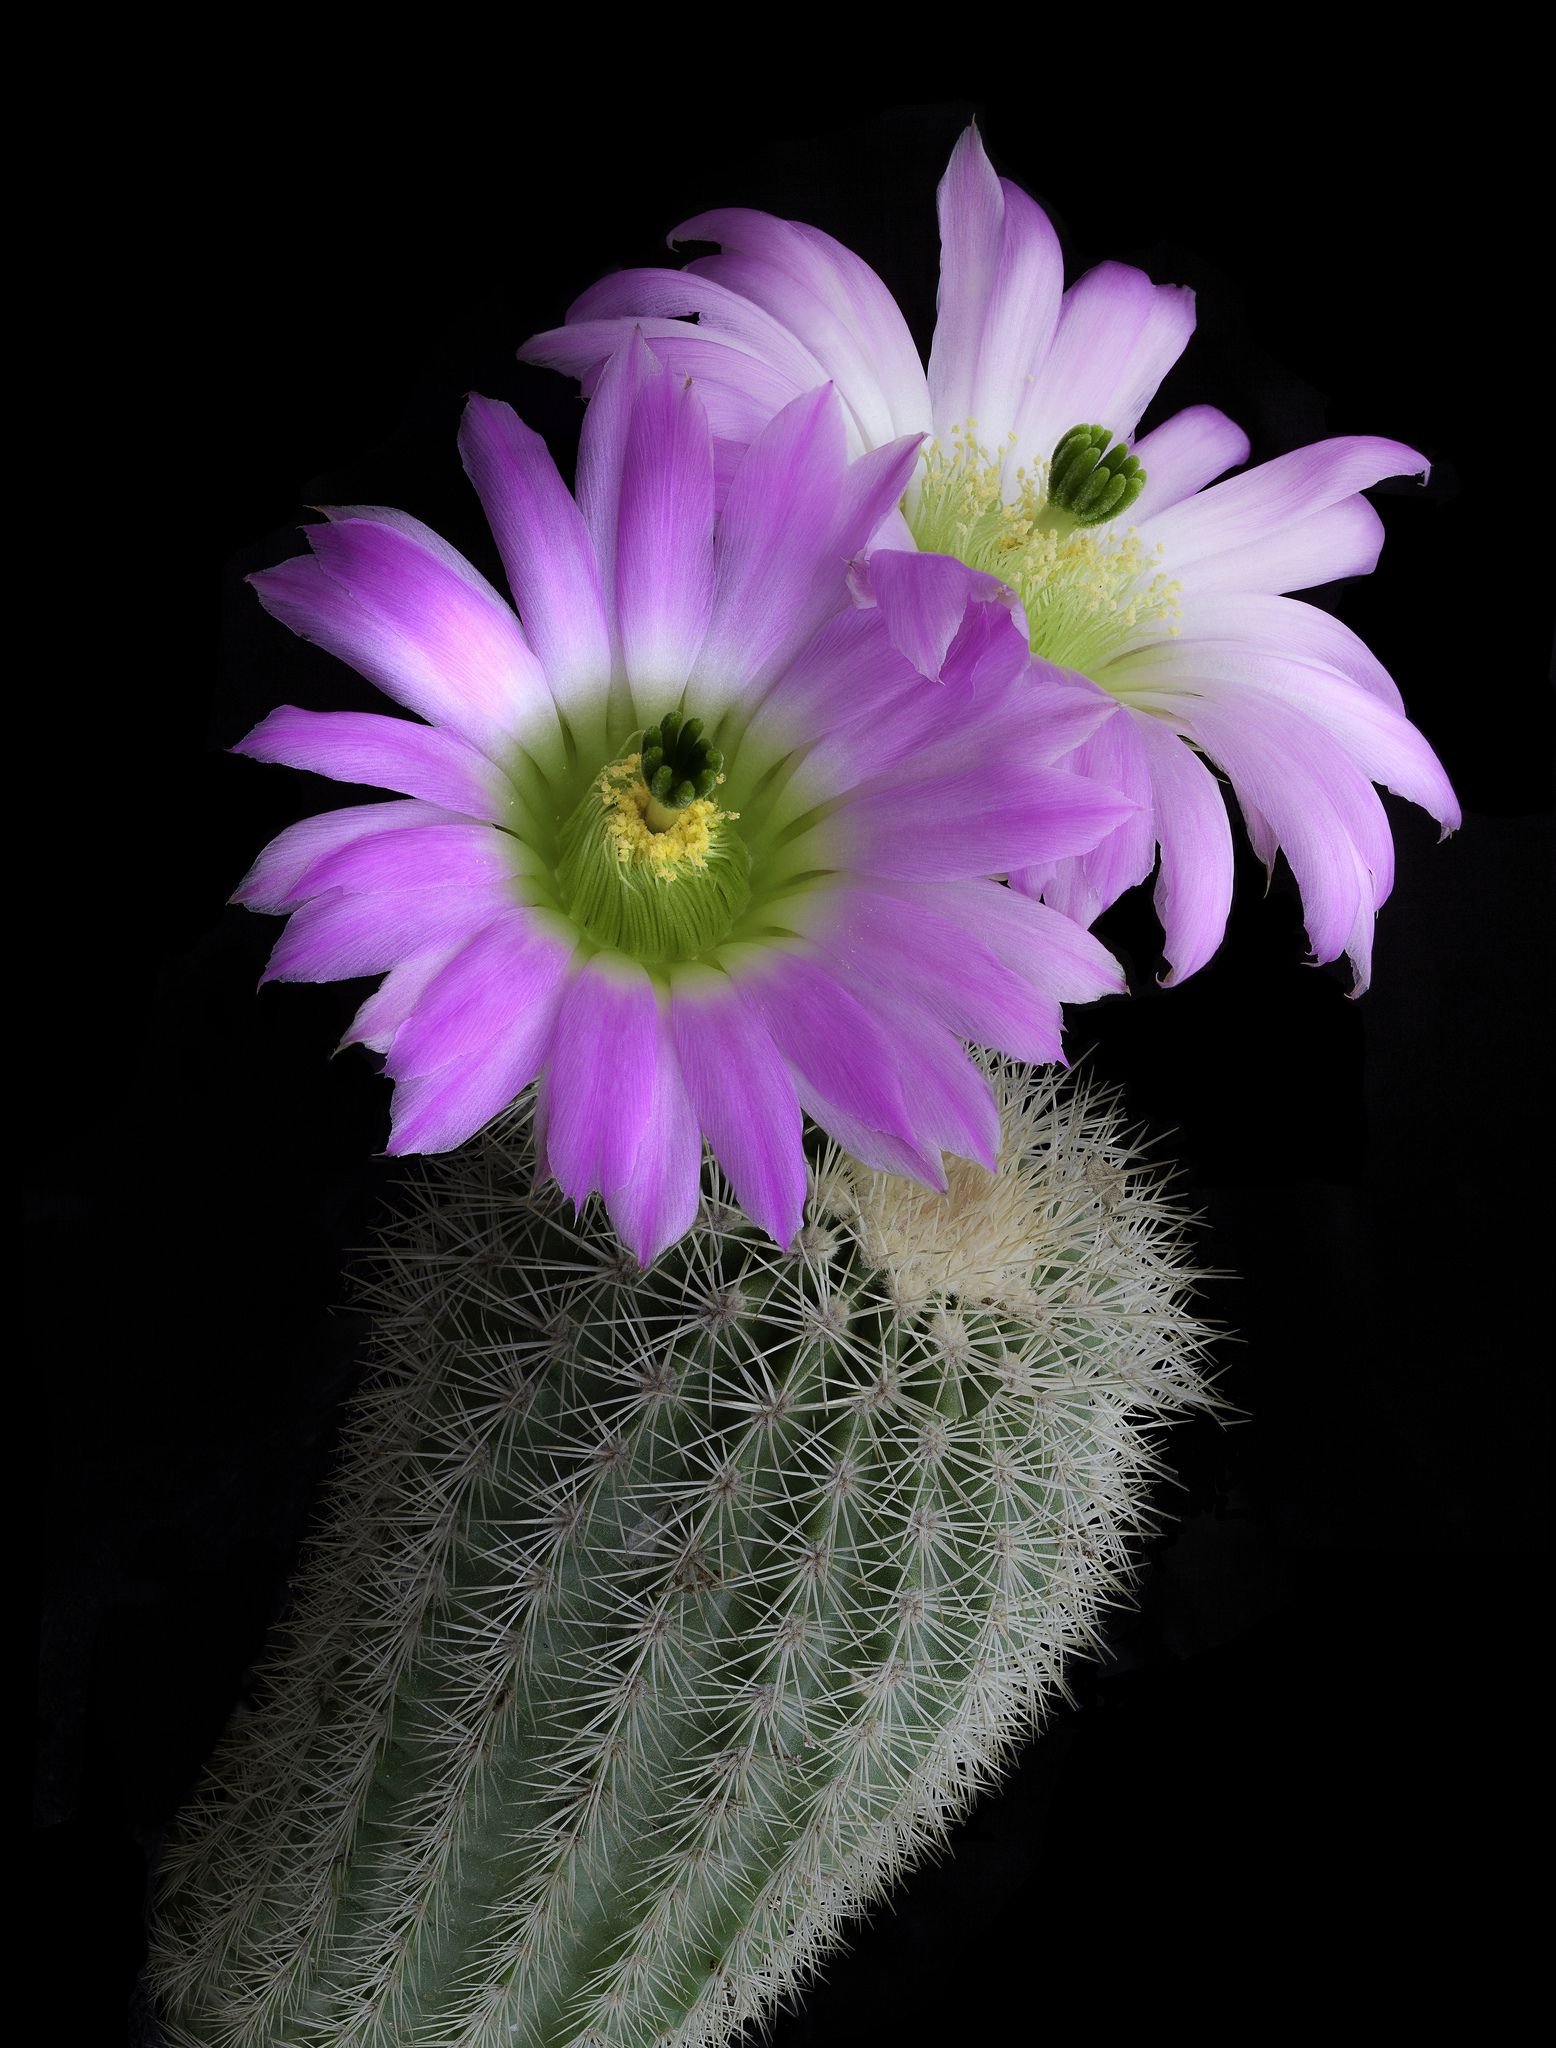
{"points": [[648, 864], [1088, 588]]}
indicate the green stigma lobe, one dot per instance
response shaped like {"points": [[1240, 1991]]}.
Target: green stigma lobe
{"points": [[678, 764], [1090, 481]]}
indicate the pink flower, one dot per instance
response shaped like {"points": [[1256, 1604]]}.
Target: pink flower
{"points": [[1135, 568], [688, 841]]}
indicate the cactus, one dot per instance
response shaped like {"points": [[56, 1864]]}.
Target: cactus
{"points": [[663, 1618]]}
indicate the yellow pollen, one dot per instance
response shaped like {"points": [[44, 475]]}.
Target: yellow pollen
{"points": [[625, 798], [1091, 593]]}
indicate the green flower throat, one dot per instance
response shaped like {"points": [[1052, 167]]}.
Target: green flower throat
{"points": [[1088, 586]]}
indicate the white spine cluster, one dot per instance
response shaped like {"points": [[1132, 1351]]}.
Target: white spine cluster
{"points": [[661, 1620]]}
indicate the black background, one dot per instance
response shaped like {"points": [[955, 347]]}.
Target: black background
{"points": [[1305, 1778]]}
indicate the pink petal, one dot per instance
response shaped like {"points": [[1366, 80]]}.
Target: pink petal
{"points": [[388, 596], [983, 819], [972, 212], [1342, 540], [390, 753], [1380, 740], [777, 578], [1118, 336], [664, 540], [1184, 454], [1322, 809], [600, 1083], [744, 1099], [923, 600], [461, 856], [832, 296], [1277, 494], [271, 883], [401, 989], [545, 549], [655, 1201], [343, 934], [1284, 625], [836, 1047], [1194, 885], [500, 989]]}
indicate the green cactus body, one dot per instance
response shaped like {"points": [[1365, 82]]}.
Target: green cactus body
{"points": [[662, 1619]]}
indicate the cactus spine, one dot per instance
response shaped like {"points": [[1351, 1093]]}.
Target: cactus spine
{"points": [[661, 1620]]}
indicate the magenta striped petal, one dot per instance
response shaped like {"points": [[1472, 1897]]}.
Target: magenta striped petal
{"points": [[339, 935], [404, 609], [664, 540], [984, 819], [744, 1099], [494, 987], [401, 989], [390, 753], [655, 1201], [600, 1083], [546, 551], [836, 1047], [461, 856], [271, 883]]}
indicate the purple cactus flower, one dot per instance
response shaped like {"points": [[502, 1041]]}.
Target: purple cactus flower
{"points": [[1135, 568], [694, 845]]}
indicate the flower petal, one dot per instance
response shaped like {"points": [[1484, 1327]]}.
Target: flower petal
{"points": [[1323, 811], [836, 1047], [1380, 740], [682, 294], [923, 600], [971, 207], [1266, 500], [1118, 336], [1342, 540], [1184, 454], [600, 1082], [912, 943], [499, 990], [1086, 884], [271, 883], [836, 297], [390, 753], [777, 579], [744, 1098], [546, 552], [1194, 885], [655, 1200], [1286, 626], [664, 540], [385, 594], [460, 856], [342, 934], [983, 819], [401, 989]]}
